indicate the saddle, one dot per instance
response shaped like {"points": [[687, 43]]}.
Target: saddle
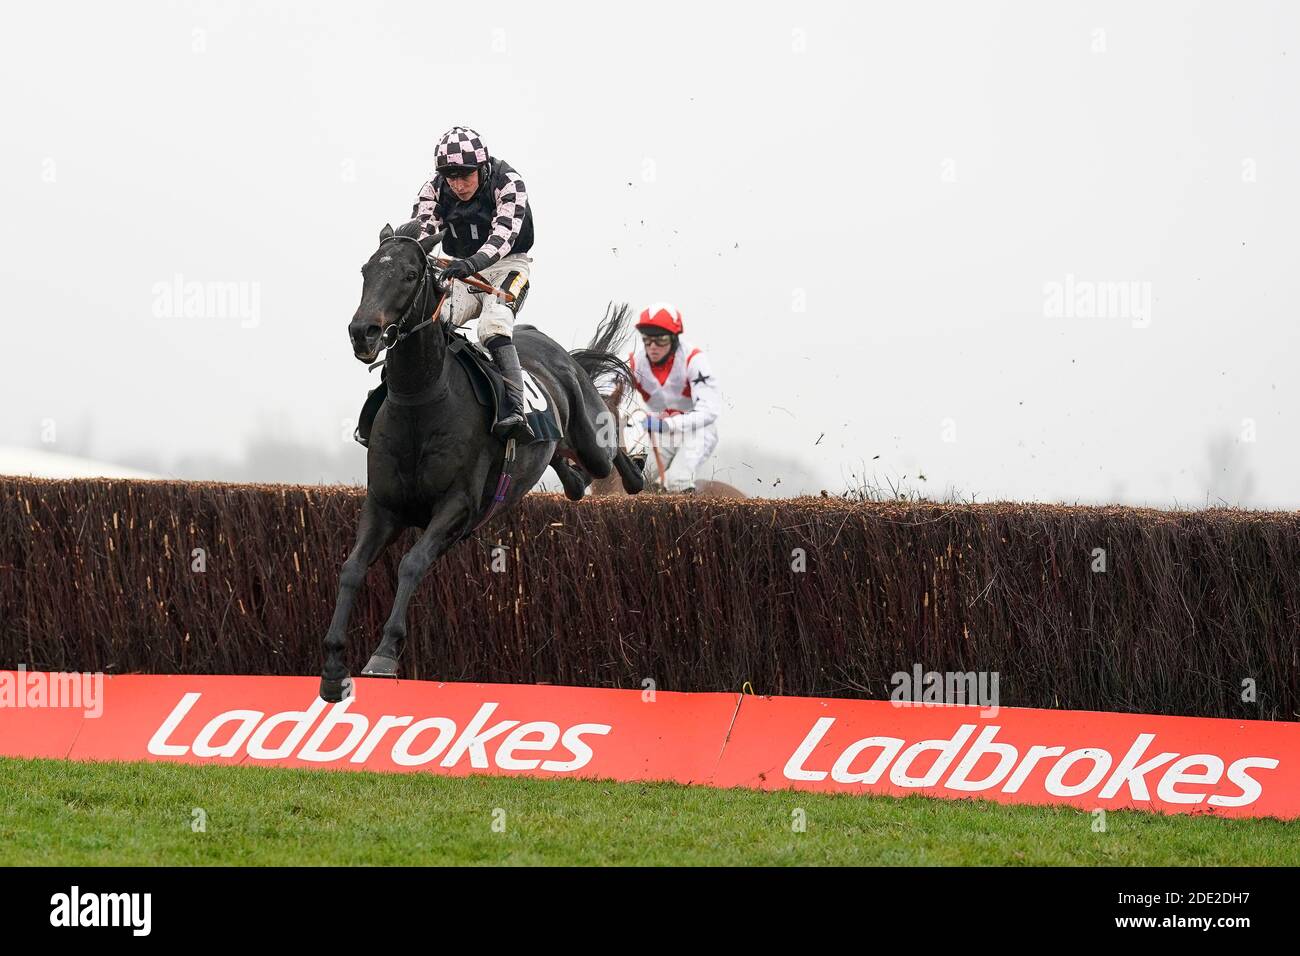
{"points": [[488, 386]]}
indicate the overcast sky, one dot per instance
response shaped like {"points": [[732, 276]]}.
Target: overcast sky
{"points": [[1038, 251]]}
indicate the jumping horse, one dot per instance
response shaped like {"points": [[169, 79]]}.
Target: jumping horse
{"points": [[432, 461]]}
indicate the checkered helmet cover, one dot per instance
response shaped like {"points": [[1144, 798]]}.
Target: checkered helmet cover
{"points": [[460, 146]]}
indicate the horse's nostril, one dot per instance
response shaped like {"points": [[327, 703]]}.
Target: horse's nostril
{"points": [[372, 331]]}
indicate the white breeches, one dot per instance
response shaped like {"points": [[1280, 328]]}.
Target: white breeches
{"points": [[495, 318], [682, 454]]}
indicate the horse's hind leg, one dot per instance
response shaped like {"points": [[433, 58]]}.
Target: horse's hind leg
{"points": [[633, 477], [593, 432], [592, 444], [444, 529], [575, 484], [376, 530], [609, 429]]}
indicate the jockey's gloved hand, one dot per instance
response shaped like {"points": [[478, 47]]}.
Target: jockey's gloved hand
{"points": [[652, 424], [458, 269]]}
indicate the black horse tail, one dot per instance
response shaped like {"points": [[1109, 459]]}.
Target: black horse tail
{"points": [[599, 360]]}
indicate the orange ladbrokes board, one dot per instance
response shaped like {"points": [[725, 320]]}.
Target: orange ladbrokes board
{"points": [[1010, 755]]}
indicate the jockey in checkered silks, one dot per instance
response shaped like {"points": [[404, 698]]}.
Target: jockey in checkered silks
{"points": [[681, 396], [481, 202]]}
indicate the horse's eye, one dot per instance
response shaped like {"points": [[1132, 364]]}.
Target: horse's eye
{"points": [[410, 277]]}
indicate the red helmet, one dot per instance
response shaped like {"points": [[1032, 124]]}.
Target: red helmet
{"points": [[662, 317]]}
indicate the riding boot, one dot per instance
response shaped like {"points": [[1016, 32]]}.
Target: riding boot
{"points": [[511, 423]]}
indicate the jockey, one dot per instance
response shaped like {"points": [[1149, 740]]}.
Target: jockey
{"points": [[681, 393], [481, 201]]}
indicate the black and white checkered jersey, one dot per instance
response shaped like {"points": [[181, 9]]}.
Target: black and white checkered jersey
{"points": [[496, 221]]}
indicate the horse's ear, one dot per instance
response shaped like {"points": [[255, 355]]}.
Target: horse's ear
{"points": [[428, 243], [386, 232]]}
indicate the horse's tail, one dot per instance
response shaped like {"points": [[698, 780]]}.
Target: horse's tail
{"points": [[599, 360]]}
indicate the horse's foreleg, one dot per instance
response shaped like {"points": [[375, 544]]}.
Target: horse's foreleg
{"points": [[444, 530], [375, 532]]}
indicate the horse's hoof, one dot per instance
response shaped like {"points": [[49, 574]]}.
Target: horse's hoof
{"points": [[380, 666], [333, 691], [574, 492]]}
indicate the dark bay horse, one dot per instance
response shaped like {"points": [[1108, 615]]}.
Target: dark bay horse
{"points": [[432, 460]]}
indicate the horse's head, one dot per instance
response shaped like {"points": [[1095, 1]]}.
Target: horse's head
{"points": [[395, 280]]}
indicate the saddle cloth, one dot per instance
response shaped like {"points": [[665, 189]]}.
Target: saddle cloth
{"points": [[489, 390]]}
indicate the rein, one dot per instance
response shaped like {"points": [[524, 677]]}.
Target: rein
{"points": [[393, 334]]}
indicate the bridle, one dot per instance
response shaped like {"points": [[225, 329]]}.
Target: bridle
{"points": [[394, 333]]}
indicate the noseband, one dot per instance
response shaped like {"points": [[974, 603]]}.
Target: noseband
{"points": [[394, 333]]}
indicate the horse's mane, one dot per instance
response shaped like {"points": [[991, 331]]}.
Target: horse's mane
{"points": [[409, 229]]}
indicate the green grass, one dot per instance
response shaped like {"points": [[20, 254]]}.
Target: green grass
{"points": [[58, 812]]}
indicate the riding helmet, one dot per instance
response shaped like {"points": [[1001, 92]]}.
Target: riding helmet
{"points": [[659, 318], [460, 148]]}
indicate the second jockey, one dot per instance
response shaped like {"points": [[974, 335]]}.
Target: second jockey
{"points": [[681, 394], [481, 201]]}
